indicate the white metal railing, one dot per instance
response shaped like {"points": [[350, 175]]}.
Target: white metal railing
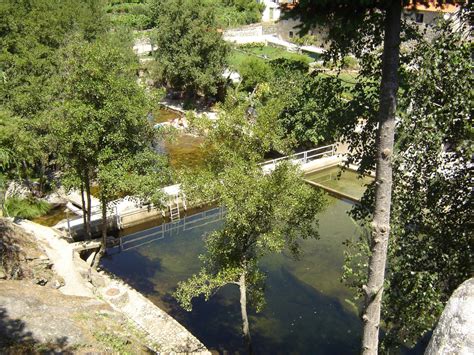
{"points": [[306, 156], [138, 239]]}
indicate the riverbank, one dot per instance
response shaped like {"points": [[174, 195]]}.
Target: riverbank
{"points": [[160, 332]]}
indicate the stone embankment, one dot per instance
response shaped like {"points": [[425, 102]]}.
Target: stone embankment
{"points": [[83, 310]]}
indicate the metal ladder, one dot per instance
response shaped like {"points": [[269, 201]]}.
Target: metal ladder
{"points": [[174, 210]]}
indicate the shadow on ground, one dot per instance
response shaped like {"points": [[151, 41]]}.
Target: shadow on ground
{"points": [[16, 339]]}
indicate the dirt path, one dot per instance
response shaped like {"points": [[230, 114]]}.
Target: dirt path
{"points": [[60, 252]]}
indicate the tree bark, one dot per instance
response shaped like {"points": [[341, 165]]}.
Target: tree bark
{"points": [[84, 211], [89, 203], [383, 188], [243, 311], [103, 244]]}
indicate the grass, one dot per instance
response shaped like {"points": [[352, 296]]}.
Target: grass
{"points": [[26, 207], [238, 55], [112, 341]]}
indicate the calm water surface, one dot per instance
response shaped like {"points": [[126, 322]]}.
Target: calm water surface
{"points": [[307, 311], [347, 181]]}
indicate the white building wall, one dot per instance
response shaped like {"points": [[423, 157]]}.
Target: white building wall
{"points": [[272, 10]]}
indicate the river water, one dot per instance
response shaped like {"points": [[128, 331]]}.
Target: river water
{"points": [[308, 309]]}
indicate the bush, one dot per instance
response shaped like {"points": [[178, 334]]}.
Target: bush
{"points": [[254, 71], [350, 63], [251, 45], [26, 207], [282, 65]]}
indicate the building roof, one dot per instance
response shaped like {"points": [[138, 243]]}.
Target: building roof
{"points": [[431, 6]]}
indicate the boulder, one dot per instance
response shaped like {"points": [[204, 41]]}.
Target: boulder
{"points": [[454, 333]]}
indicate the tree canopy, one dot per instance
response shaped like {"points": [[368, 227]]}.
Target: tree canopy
{"points": [[430, 254], [191, 53], [266, 211]]}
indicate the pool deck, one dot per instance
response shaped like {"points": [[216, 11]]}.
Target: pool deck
{"points": [[333, 192]]}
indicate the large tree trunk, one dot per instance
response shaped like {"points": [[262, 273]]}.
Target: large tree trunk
{"points": [[383, 189], [243, 310]]}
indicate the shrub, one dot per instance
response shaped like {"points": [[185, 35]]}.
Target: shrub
{"points": [[26, 207], [254, 71], [350, 63], [282, 65]]}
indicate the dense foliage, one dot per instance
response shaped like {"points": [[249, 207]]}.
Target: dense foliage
{"points": [[138, 14], [31, 33], [102, 131], [266, 211], [233, 13], [430, 253], [191, 53], [135, 14]]}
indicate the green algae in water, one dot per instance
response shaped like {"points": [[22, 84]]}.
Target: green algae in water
{"points": [[185, 151], [162, 114], [347, 182], [52, 217], [306, 312]]}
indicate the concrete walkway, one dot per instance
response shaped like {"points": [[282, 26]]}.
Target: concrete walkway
{"points": [[161, 327], [169, 336], [60, 252]]}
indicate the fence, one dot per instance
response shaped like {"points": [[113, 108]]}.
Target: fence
{"points": [[187, 223], [306, 156]]}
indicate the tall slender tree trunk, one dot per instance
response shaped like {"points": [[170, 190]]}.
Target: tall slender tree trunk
{"points": [[89, 203], [84, 212], [243, 311], [103, 243], [383, 188]]}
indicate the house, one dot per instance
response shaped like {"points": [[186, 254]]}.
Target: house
{"points": [[429, 14], [288, 29], [273, 8]]}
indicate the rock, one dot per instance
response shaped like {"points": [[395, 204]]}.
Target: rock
{"points": [[454, 333], [56, 283], [97, 280], [90, 258], [41, 281]]}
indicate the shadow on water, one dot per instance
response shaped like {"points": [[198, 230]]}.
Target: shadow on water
{"points": [[306, 312], [139, 271], [309, 321], [303, 313]]}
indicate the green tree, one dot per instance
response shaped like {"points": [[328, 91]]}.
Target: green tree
{"points": [[31, 33], [360, 27], [191, 53], [431, 250], [254, 71], [311, 107], [265, 212], [232, 13], [102, 126]]}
